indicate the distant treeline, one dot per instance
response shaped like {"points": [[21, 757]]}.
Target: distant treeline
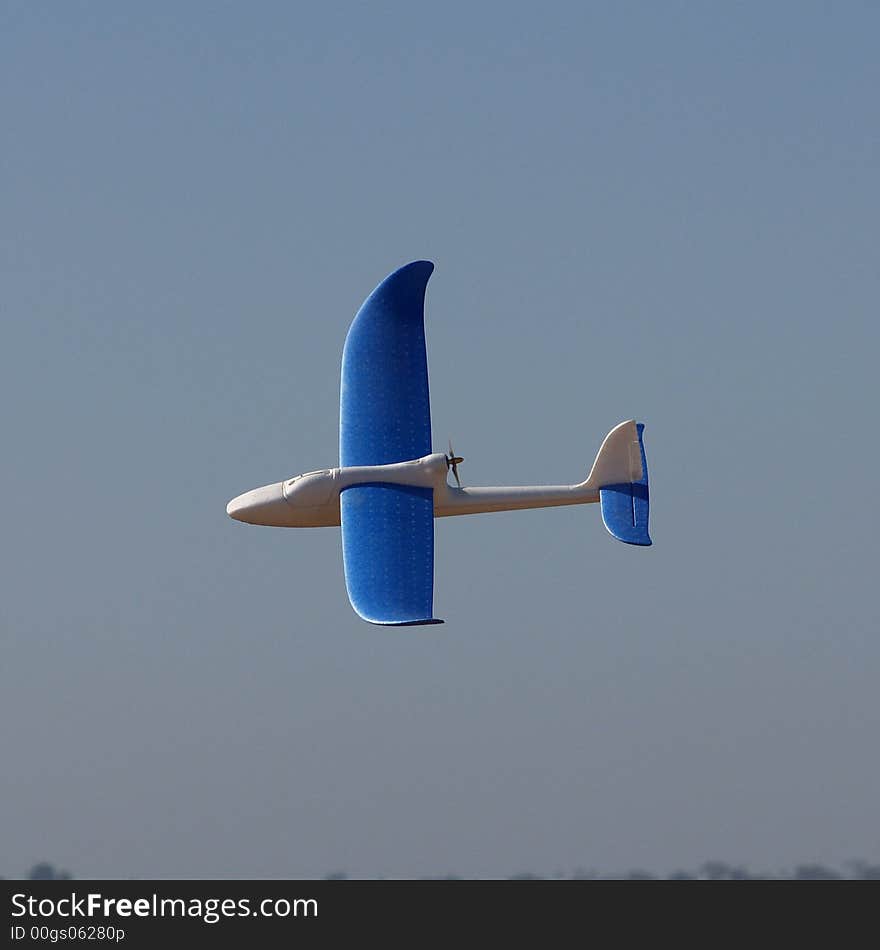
{"points": [[709, 871]]}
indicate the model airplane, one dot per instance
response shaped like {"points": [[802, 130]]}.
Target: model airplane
{"points": [[390, 486]]}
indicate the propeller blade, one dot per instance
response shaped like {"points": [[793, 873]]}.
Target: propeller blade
{"points": [[452, 462]]}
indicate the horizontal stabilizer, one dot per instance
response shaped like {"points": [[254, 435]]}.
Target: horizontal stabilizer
{"points": [[625, 504]]}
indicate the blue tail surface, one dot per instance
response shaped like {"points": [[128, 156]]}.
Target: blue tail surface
{"points": [[625, 505]]}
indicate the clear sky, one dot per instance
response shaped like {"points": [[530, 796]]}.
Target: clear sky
{"points": [[660, 211]]}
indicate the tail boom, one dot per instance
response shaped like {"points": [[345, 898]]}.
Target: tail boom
{"points": [[618, 480], [450, 501]]}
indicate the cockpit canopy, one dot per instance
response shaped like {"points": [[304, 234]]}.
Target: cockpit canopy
{"points": [[311, 489]]}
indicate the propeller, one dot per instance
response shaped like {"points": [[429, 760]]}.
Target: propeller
{"points": [[452, 462]]}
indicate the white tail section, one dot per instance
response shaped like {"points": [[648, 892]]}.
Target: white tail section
{"points": [[619, 460]]}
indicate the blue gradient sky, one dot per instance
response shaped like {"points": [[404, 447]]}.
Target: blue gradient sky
{"points": [[666, 212]]}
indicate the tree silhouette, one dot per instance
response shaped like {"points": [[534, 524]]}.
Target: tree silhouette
{"points": [[43, 871]]}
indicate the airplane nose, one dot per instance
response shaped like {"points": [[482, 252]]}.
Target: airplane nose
{"points": [[264, 505]]}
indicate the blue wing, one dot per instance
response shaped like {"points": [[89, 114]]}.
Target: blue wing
{"points": [[385, 416], [385, 413], [388, 552]]}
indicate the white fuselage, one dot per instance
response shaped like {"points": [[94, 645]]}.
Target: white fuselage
{"points": [[312, 500]]}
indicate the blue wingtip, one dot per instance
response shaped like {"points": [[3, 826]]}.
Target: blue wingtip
{"points": [[403, 289], [404, 623], [625, 507]]}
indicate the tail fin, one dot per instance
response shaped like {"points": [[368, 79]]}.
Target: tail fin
{"points": [[620, 473]]}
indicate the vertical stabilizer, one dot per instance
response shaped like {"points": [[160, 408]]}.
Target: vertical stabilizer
{"points": [[620, 472]]}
